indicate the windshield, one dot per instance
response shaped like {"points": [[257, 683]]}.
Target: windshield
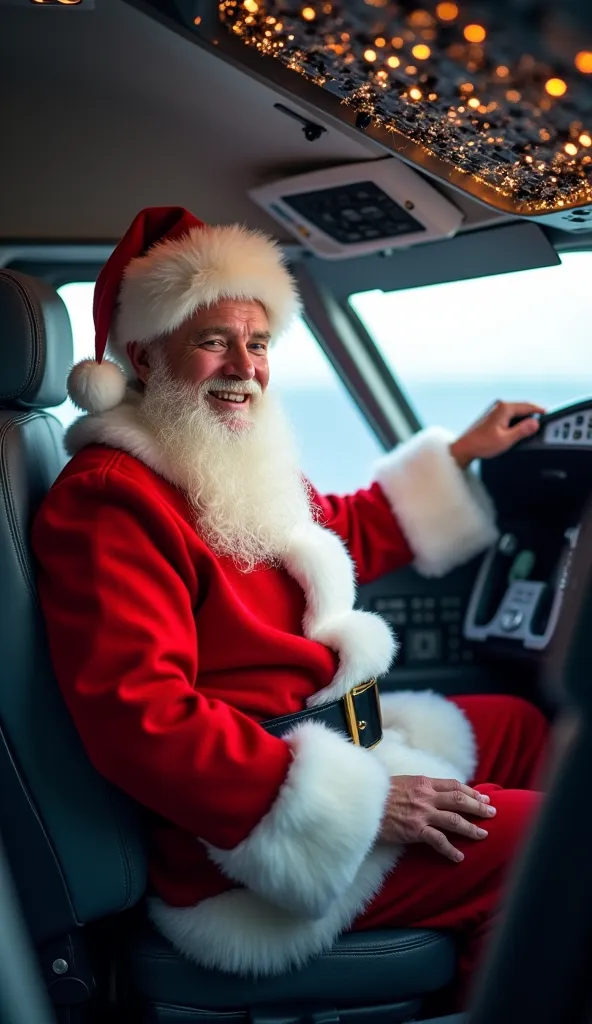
{"points": [[455, 348]]}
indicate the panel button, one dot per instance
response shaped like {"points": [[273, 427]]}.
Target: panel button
{"points": [[511, 619]]}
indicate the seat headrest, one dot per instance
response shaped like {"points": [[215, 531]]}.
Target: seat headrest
{"points": [[36, 350]]}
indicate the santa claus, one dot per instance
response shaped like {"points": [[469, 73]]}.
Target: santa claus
{"points": [[200, 605]]}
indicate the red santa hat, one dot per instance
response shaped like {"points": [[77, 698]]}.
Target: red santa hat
{"points": [[166, 266]]}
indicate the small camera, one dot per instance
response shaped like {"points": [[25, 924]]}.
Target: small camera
{"points": [[312, 132]]}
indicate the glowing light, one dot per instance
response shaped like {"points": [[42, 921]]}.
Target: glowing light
{"points": [[410, 70], [415, 93], [393, 62], [467, 87], [474, 33], [571, 149], [502, 71], [585, 140], [308, 13], [370, 55], [447, 12], [474, 102], [380, 41], [513, 96], [583, 62], [251, 6], [197, 21], [397, 42], [421, 51], [420, 19], [556, 87]]}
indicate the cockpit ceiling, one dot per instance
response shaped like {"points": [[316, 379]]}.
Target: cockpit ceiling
{"points": [[492, 97]]}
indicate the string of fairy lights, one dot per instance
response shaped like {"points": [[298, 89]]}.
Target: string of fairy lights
{"points": [[465, 89]]}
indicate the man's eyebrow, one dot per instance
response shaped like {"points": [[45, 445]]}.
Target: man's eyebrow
{"points": [[213, 330], [228, 332]]}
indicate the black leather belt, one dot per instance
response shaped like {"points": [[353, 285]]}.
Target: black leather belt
{"points": [[357, 716]]}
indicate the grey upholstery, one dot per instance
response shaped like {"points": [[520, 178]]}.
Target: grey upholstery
{"points": [[73, 842], [73, 846], [35, 343]]}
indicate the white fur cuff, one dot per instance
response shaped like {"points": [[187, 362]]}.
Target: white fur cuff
{"points": [[429, 723], [445, 513], [305, 853]]}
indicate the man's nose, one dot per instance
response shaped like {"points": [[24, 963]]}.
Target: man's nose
{"points": [[239, 364]]}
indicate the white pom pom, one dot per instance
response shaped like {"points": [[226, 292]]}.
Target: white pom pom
{"points": [[96, 387]]}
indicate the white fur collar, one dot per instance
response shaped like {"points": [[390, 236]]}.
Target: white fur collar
{"points": [[316, 558]]}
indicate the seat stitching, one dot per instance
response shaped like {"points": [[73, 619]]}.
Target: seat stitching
{"points": [[383, 950], [11, 512], [34, 352]]}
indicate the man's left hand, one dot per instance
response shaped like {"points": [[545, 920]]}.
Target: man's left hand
{"points": [[492, 434]]}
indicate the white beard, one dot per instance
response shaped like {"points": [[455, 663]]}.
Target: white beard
{"points": [[240, 473]]}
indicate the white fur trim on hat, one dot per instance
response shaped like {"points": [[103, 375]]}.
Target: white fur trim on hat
{"points": [[96, 387], [162, 289]]}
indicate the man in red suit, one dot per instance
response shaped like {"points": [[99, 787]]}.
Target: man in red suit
{"points": [[197, 590]]}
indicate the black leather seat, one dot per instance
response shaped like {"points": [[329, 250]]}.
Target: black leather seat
{"points": [[74, 843], [364, 969]]}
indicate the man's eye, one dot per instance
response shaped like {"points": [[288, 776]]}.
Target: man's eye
{"points": [[213, 341], [259, 345]]}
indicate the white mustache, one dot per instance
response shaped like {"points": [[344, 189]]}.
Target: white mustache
{"points": [[234, 387]]}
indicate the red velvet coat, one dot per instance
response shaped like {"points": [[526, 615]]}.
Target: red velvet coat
{"points": [[261, 849]]}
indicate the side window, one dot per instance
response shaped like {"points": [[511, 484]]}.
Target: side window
{"points": [[457, 347], [336, 444]]}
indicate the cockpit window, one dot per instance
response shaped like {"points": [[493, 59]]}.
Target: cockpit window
{"points": [[455, 348], [336, 444]]}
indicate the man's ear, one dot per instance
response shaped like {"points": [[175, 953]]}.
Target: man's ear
{"points": [[139, 357]]}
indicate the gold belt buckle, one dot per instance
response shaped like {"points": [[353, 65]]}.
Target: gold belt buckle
{"points": [[355, 725]]}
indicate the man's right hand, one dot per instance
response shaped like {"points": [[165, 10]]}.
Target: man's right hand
{"points": [[421, 810]]}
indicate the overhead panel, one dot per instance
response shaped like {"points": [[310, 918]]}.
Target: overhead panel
{"points": [[494, 98]]}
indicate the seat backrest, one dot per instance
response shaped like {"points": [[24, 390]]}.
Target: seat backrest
{"points": [[73, 842]]}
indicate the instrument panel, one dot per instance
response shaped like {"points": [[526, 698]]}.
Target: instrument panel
{"points": [[573, 428], [541, 489]]}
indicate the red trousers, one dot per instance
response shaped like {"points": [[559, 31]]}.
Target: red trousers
{"points": [[427, 891]]}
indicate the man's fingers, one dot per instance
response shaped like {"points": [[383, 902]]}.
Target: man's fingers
{"points": [[439, 842], [525, 428], [509, 410], [449, 821], [448, 785], [460, 803]]}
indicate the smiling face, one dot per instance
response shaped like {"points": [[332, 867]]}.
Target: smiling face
{"points": [[220, 433], [222, 352]]}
